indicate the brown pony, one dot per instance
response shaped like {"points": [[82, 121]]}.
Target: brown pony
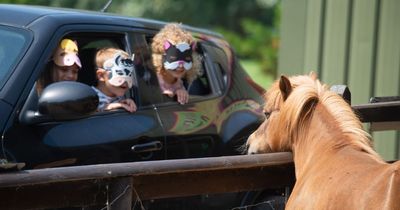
{"points": [[336, 167]]}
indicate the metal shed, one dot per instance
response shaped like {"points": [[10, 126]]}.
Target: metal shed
{"points": [[352, 42]]}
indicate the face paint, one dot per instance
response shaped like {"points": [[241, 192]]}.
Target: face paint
{"points": [[119, 70], [176, 55]]}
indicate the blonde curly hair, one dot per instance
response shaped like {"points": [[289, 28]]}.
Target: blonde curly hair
{"points": [[173, 33]]}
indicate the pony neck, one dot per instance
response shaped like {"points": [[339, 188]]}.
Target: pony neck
{"points": [[317, 145]]}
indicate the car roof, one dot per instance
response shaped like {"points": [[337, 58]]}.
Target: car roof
{"points": [[24, 16]]}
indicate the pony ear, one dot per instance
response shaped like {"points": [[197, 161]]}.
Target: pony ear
{"points": [[285, 87], [313, 75]]}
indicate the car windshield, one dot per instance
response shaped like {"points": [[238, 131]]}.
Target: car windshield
{"points": [[12, 44]]}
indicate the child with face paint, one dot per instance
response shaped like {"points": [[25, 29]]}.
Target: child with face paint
{"points": [[114, 74], [64, 65], [174, 58]]}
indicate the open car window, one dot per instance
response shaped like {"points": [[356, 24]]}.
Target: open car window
{"points": [[89, 44], [200, 88]]}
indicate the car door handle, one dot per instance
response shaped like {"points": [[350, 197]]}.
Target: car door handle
{"points": [[147, 147]]}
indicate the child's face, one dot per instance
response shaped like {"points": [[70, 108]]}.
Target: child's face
{"points": [[65, 73], [178, 72], [66, 62], [119, 70], [116, 75], [115, 91], [177, 58]]}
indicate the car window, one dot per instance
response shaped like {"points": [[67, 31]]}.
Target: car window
{"points": [[199, 87], [12, 45], [88, 44], [218, 63], [100, 43], [148, 88]]}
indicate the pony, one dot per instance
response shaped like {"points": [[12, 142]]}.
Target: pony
{"points": [[335, 164]]}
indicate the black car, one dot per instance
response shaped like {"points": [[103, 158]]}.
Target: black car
{"points": [[63, 130]]}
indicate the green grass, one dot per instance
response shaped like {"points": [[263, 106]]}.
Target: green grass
{"points": [[254, 70]]}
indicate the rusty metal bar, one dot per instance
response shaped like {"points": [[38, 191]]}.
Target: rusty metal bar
{"points": [[92, 185]]}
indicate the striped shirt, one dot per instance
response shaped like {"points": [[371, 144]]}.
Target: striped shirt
{"points": [[104, 100]]}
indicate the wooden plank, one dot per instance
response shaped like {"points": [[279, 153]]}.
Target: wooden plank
{"points": [[335, 42], [119, 194], [52, 195], [362, 50], [95, 185], [292, 36], [388, 72], [219, 181]]}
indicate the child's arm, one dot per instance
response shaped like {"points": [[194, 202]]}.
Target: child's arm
{"points": [[182, 95], [128, 104]]}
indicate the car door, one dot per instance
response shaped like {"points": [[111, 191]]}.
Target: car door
{"points": [[113, 136], [190, 128]]}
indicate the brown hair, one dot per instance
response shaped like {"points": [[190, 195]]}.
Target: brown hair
{"points": [[45, 78]]}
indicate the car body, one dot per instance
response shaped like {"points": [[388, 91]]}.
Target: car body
{"points": [[225, 105]]}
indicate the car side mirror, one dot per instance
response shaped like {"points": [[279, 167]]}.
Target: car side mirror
{"points": [[68, 100]]}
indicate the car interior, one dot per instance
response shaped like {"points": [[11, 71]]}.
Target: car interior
{"points": [[145, 90]]}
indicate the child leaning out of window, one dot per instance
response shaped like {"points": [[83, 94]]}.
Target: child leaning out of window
{"points": [[114, 74]]}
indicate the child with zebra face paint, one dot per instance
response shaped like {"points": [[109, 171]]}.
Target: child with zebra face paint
{"points": [[174, 59]]}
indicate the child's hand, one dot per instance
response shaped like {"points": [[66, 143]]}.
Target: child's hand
{"points": [[182, 95], [128, 104]]}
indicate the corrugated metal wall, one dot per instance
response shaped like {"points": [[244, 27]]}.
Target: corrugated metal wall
{"points": [[353, 42]]}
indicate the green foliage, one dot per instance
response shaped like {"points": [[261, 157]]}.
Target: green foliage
{"points": [[253, 69], [251, 26], [258, 42]]}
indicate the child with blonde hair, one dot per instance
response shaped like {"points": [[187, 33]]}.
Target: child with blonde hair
{"points": [[114, 74], [174, 58]]}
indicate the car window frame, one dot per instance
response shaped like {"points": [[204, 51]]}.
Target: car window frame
{"points": [[29, 38], [214, 74], [66, 30], [215, 90]]}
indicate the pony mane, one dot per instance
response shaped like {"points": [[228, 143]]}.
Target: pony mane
{"points": [[297, 110]]}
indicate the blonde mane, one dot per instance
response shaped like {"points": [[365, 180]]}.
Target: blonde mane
{"points": [[335, 165], [297, 110]]}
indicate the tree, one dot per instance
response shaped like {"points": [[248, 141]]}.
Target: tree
{"points": [[251, 26]]}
